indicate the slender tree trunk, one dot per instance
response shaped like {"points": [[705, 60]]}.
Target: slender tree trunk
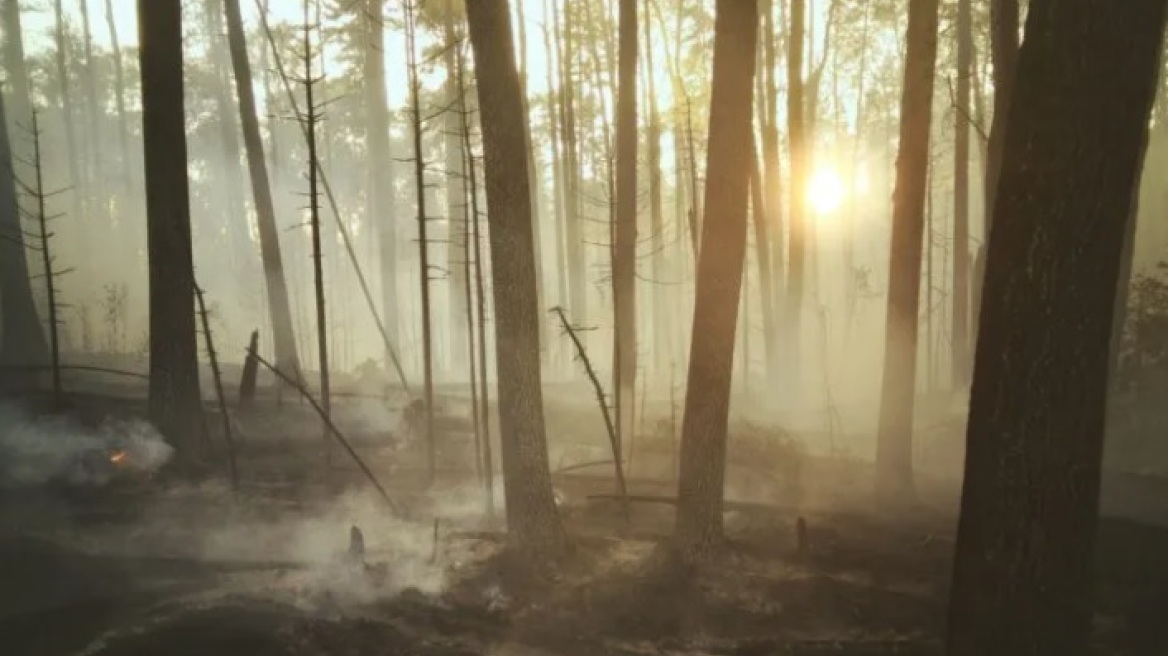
{"points": [[960, 329], [379, 183], [93, 135], [284, 340], [797, 220], [231, 176], [16, 80], [577, 269], [174, 402], [894, 436], [119, 94], [1004, 49], [455, 192], [662, 344], [555, 129], [1024, 565], [61, 60], [719, 280], [423, 239], [531, 510], [772, 182], [625, 261], [762, 244]]}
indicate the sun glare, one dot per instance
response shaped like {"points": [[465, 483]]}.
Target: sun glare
{"points": [[826, 191]]}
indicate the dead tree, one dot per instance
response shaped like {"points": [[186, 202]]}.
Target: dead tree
{"points": [[279, 307], [41, 217], [1024, 563], [217, 379], [416, 128], [613, 436], [532, 518], [894, 437], [719, 281], [310, 118]]}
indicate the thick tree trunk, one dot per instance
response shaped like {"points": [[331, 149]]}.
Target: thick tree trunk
{"points": [[174, 401], [1029, 510], [719, 281], [625, 261], [22, 340], [960, 328], [531, 510], [284, 340], [894, 436], [1004, 49]]}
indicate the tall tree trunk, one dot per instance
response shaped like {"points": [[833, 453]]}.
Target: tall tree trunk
{"points": [[92, 135], [533, 181], [379, 211], [960, 328], [719, 281], [625, 261], [797, 220], [531, 510], [894, 436], [119, 94], [61, 60], [284, 340], [661, 343], [455, 193], [174, 401], [1004, 49], [1030, 505], [576, 268], [20, 99], [559, 183], [232, 203], [762, 246], [772, 182]]}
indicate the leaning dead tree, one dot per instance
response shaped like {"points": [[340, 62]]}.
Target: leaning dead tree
{"points": [[217, 379], [322, 179], [416, 128], [613, 438]]}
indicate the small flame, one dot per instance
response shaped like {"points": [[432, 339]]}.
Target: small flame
{"points": [[118, 457]]}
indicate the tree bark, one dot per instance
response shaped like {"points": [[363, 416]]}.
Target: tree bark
{"points": [[174, 401], [283, 337], [894, 436], [625, 260], [1029, 510], [719, 281], [531, 510]]}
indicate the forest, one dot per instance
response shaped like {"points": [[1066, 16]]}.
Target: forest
{"points": [[573, 327]]}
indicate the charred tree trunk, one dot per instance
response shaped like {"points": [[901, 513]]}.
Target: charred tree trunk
{"points": [[625, 260], [531, 510], [174, 402], [894, 436], [960, 329], [284, 339], [1029, 511], [719, 280]]}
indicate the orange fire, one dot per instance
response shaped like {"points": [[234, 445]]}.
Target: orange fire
{"points": [[118, 457]]}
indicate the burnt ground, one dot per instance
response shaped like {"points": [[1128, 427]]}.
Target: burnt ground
{"points": [[156, 567]]}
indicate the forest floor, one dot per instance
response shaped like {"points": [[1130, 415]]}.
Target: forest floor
{"points": [[159, 568]]}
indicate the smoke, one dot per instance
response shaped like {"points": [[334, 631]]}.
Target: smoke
{"points": [[35, 450]]}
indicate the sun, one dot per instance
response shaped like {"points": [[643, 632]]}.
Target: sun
{"points": [[826, 191]]}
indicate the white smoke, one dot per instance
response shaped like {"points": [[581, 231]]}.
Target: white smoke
{"points": [[35, 450]]}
